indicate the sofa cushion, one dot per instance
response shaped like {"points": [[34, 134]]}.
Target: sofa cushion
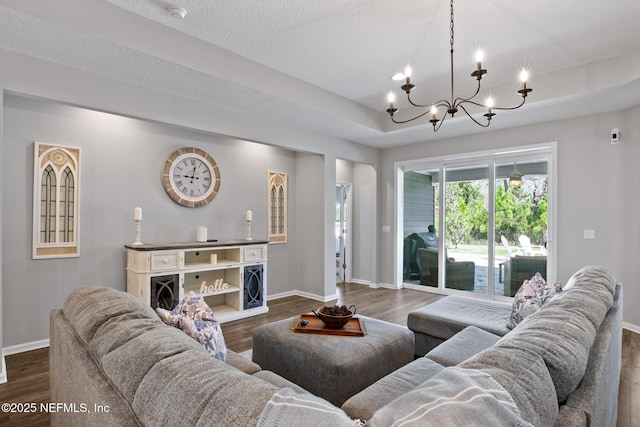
{"points": [[461, 346], [288, 408], [447, 316], [194, 389], [88, 308], [245, 364], [524, 375], [278, 381], [453, 397], [126, 349], [364, 404], [530, 297], [194, 317]]}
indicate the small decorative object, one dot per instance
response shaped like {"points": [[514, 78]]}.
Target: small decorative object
{"points": [[277, 209], [335, 317], [218, 286], [137, 218], [191, 177], [214, 258], [249, 218], [201, 234]]}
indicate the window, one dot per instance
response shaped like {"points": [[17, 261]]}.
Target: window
{"points": [[478, 224], [55, 201]]}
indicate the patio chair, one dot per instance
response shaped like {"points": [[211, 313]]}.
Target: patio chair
{"points": [[511, 250], [525, 242], [521, 268], [458, 274]]}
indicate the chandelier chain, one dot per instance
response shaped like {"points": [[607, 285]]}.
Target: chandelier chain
{"points": [[451, 26]]}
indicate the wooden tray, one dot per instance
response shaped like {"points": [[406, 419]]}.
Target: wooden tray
{"points": [[354, 328]]}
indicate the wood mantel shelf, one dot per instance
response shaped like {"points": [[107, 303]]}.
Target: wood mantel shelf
{"points": [[193, 245]]}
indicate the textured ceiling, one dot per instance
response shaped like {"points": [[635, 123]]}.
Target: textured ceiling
{"points": [[326, 65]]}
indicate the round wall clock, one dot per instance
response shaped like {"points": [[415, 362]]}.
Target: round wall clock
{"points": [[191, 177]]}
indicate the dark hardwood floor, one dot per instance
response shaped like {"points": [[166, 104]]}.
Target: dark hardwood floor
{"points": [[28, 373]]}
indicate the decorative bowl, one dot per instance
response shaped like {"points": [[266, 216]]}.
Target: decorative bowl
{"points": [[335, 317]]}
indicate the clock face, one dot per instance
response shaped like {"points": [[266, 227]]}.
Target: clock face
{"points": [[191, 177]]}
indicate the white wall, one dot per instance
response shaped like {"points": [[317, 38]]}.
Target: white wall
{"points": [[597, 190]]}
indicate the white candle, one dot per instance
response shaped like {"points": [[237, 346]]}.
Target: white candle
{"points": [[201, 234], [137, 214], [249, 215]]}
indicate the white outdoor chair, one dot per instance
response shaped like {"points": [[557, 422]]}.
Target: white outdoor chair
{"points": [[511, 250], [525, 243]]}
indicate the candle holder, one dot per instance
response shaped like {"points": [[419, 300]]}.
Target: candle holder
{"points": [[137, 242], [249, 230]]}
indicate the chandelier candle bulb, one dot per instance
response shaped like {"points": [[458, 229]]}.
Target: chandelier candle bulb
{"points": [[407, 73], [390, 99], [479, 57]]}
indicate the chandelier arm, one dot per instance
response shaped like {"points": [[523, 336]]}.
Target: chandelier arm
{"points": [[460, 100], [471, 117], [509, 108], [435, 128], [440, 103], [409, 120]]}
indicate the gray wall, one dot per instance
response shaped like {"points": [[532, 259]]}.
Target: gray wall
{"points": [[45, 80], [597, 189], [121, 160], [363, 181]]}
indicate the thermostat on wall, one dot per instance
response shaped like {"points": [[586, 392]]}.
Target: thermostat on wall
{"points": [[615, 136]]}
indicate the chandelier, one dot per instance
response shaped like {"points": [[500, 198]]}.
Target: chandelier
{"points": [[453, 105]]}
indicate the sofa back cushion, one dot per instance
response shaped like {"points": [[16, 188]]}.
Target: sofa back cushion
{"points": [[88, 308]]}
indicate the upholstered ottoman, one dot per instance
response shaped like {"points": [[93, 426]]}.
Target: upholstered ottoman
{"points": [[333, 367], [435, 323]]}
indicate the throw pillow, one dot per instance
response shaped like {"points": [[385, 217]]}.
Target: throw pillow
{"points": [[194, 317], [530, 298]]}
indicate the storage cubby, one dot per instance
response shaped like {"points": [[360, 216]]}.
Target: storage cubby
{"points": [[209, 257], [204, 268], [194, 281]]}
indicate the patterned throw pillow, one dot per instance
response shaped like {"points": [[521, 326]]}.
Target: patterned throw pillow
{"points": [[530, 298], [194, 317]]}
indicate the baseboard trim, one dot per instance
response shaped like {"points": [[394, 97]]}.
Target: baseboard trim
{"points": [[304, 295], [3, 373], [631, 327], [21, 348]]}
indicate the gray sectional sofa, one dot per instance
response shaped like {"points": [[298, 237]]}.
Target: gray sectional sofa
{"points": [[560, 366]]}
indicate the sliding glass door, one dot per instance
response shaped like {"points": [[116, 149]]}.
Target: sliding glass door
{"points": [[478, 225], [466, 217]]}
